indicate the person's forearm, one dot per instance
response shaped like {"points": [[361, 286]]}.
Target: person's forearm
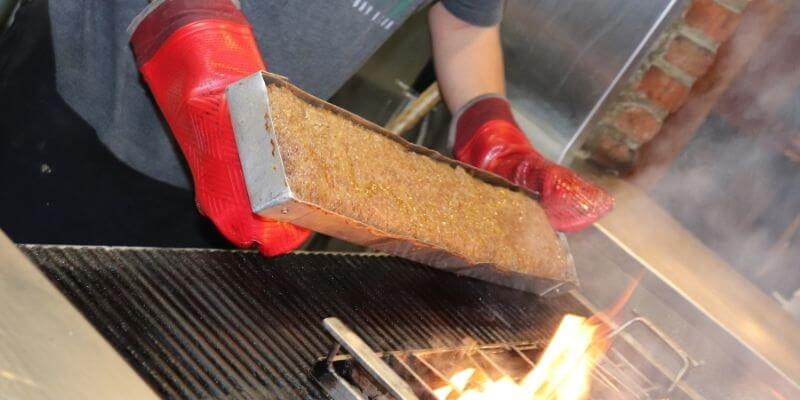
{"points": [[468, 58]]}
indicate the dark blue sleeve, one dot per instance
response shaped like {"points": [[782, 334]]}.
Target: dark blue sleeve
{"points": [[476, 12]]}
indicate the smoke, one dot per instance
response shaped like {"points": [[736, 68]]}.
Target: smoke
{"points": [[735, 196], [736, 185]]}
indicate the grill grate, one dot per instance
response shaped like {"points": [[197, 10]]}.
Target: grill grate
{"points": [[235, 325], [424, 374]]}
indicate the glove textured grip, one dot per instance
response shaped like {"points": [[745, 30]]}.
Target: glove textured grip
{"points": [[486, 136], [210, 45]]}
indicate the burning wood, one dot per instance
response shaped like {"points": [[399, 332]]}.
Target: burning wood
{"points": [[564, 369], [579, 362], [562, 373]]}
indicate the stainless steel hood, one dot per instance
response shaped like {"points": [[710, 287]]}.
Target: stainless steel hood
{"points": [[564, 58]]}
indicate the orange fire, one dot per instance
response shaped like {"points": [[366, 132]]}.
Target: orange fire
{"points": [[777, 394], [562, 373], [564, 369]]}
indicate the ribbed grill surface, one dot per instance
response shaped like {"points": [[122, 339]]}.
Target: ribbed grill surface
{"points": [[235, 325]]}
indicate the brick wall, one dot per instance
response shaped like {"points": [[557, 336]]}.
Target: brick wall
{"points": [[662, 83]]}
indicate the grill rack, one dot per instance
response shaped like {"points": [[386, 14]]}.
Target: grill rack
{"points": [[407, 375]]}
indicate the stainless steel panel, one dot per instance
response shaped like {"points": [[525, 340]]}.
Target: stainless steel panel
{"points": [[739, 335], [674, 255], [47, 349], [565, 57]]}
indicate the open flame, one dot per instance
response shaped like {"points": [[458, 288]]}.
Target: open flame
{"points": [[564, 369], [458, 381], [562, 373]]}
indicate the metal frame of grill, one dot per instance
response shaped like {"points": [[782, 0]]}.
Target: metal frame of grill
{"points": [[406, 375]]}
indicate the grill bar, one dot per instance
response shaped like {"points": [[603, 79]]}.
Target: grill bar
{"points": [[368, 359], [407, 370]]}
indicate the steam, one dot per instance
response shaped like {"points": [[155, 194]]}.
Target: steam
{"points": [[736, 185]]}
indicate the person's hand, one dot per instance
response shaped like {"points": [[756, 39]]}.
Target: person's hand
{"points": [[486, 136], [188, 53]]}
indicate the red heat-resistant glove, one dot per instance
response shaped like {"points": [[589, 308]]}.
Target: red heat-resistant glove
{"points": [[486, 136], [189, 51]]}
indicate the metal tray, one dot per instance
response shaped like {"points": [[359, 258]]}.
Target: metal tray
{"points": [[272, 197]]}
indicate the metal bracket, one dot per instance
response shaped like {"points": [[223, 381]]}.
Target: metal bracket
{"points": [[368, 359], [687, 361]]}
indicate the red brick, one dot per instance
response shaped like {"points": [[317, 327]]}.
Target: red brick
{"points": [[662, 89], [609, 152], [689, 57], [712, 19], [637, 123]]}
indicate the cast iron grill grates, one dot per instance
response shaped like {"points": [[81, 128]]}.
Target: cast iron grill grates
{"points": [[236, 325]]}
